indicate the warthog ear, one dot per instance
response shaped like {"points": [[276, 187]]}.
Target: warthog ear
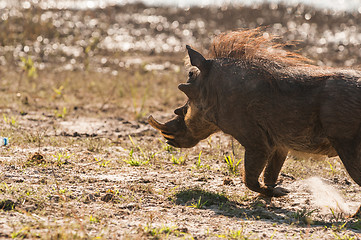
{"points": [[197, 59], [189, 89]]}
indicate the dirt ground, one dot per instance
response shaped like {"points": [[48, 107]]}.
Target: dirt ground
{"points": [[82, 162]]}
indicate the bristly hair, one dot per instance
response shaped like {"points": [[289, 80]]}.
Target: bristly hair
{"points": [[254, 44]]}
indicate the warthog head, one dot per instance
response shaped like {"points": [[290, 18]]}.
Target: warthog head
{"points": [[190, 125]]}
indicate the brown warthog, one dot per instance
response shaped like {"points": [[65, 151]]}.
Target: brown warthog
{"points": [[271, 101]]}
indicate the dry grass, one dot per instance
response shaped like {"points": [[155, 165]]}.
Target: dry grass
{"points": [[56, 184]]}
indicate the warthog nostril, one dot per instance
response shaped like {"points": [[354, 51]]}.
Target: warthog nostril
{"points": [[181, 111]]}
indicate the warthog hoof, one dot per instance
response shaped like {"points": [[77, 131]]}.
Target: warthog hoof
{"points": [[279, 192], [275, 191]]}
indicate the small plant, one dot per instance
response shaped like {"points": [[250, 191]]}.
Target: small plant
{"points": [[61, 114], [4, 187], [58, 92], [167, 147], [93, 219], [162, 232], [199, 204], [232, 164], [134, 161], [22, 233], [179, 161], [10, 120], [63, 191], [198, 163], [29, 67], [304, 216], [101, 162], [62, 158], [336, 229], [115, 192], [343, 237], [137, 146], [337, 216], [236, 234], [333, 170]]}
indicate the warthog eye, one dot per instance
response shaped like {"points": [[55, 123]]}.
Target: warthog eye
{"points": [[190, 74]]}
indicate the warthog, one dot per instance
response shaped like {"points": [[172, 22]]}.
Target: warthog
{"points": [[271, 101]]}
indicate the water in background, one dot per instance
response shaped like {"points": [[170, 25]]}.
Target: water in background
{"points": [[337, 5], [340, 5]]}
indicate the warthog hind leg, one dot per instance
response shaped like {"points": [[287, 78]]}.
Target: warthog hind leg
{"points": [[350, 154]]}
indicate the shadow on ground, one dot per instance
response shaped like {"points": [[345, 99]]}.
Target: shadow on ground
{"points": [[258, 208]]}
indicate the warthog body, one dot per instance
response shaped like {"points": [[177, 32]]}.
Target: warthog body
{"points": [[271, 101]]}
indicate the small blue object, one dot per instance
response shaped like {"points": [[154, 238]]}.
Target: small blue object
{"points": [[5, 141]]}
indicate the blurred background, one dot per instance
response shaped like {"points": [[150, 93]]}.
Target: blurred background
{"points": [[127, 56], [64, 31]]}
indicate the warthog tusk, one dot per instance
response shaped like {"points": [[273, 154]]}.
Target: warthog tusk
{"points": [[167, 135], [157, 125]]}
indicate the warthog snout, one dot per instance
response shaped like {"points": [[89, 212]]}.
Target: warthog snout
{"points": [[175, 131]]}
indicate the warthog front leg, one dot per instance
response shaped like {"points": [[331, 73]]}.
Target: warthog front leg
{"points": [[254, 163], [274, 165]]}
